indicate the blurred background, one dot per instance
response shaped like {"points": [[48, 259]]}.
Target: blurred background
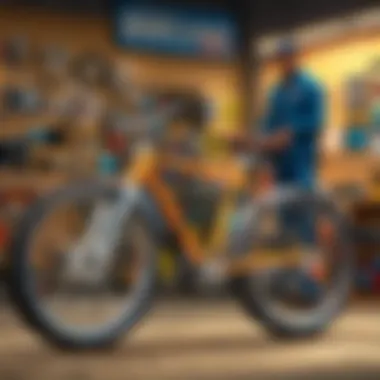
{"points": [[72, 71]]}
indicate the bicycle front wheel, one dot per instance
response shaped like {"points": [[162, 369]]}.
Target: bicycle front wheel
{"points": [[80, 274]]}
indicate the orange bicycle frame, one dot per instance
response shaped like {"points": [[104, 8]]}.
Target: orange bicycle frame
{"points": [[231, 175]]}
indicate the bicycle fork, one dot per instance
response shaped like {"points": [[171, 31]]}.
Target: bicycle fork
{"points": [[91, 259]]}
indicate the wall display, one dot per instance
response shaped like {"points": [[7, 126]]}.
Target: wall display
{"points": [[375, 89], [359, 100], [357, 93], [375, 142], [84, 106], [46, 136], [359, 117], [195, 108], [363, 111], [122, 85], [14, 153], [53, 61], [16, 51], [356, 139], [375, 115], [94, 69], [116, 142], [116, 139], [194, 32], [19, 100], [108, 164]]}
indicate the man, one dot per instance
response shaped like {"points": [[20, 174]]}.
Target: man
{"points": [[293, 122], [292, 127]]}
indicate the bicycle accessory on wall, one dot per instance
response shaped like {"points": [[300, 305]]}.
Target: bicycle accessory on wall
{"points": [[195, 110], [16, 51], [14, 153], [54, 59], [108, 164], [19, 100], [115, 134], [356, 139], [45, 135], [93, 69], [357, 93]]}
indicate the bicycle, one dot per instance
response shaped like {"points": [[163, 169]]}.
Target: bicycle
{"points": [[251, 258]]}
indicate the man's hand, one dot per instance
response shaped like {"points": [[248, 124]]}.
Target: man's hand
{"points": [[276, 142], [241, 141]]}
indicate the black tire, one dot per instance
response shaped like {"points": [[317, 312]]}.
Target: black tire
{"points": [[20, 277], [245, 288]]}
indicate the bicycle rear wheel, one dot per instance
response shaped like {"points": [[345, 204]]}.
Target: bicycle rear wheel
{"points": [[273, 297]]}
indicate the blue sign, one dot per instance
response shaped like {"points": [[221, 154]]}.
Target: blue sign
{"points": [[177, 31]]}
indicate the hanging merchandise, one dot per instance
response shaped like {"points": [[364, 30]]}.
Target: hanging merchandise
{"points": [[356, 139], [108, 164], [356, 136], [93, 69], [22, 100], [373, 78], [38, 136], [195, 110], [15, 51], [121, 80], [14, 153], [375, 143], [375, 115], [46, 136], [375, 93], [53, 61], [357, 93], [116, 142], [359, 116]]}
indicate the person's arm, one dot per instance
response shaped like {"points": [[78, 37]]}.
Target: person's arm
{"points": [[272, 137], [275, 142]]}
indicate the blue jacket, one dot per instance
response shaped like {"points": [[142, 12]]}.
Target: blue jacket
{"points": [[298, 104]]}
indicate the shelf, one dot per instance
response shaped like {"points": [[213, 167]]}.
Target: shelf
{"points": [[32, 180], [20, 125], [346, 168]]}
